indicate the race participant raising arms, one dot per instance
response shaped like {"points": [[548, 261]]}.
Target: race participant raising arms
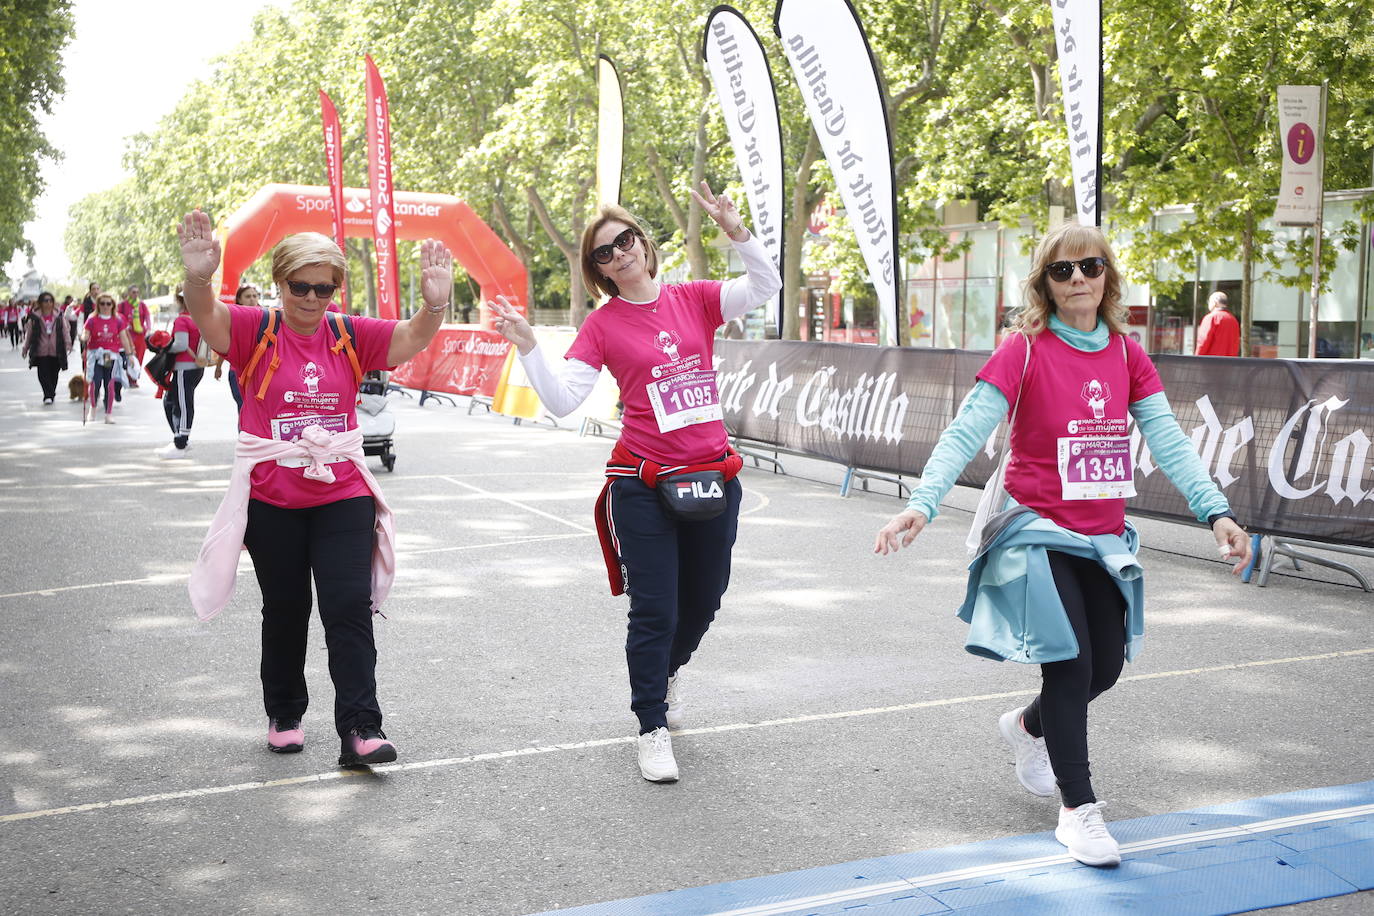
{"points": [[666, 541], [301, 497]]}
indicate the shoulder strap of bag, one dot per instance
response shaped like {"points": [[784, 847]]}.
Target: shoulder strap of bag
{"points": [[342, 326], [267, 337]]}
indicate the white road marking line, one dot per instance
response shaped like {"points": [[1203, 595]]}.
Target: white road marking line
{"points": [[997, 869], [519, 505], [630, 739]]}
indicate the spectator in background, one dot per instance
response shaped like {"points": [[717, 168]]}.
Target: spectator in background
{"points": [[1218, 334], [134, 311], [11, 311], [46, 344]]}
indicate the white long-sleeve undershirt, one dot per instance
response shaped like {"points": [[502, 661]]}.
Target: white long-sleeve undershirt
{"points": [[563, 390]]}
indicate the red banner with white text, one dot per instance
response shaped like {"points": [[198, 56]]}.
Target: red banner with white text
{"points": [[333, 165], [379, 180], [459, 361]]}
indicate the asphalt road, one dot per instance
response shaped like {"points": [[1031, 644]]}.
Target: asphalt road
{"points": [[833, 713]]}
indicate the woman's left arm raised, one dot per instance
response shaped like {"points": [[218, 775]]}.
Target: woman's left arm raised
{"points": [[436, 285]]}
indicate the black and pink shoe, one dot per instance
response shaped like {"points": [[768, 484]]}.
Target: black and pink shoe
{"points": [[365, 745], [285, 736]]}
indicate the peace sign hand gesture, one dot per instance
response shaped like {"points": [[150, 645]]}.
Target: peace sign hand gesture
{"points": [[200, 251], [722, 209]]}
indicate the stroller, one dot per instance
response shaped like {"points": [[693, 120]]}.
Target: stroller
{"points": [[375, 421]]}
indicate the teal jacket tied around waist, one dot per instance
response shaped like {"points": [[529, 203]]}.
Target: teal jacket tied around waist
{"points": [[1012, 606]]}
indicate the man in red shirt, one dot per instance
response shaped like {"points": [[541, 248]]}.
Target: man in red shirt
{"points": [[1218, 334]]}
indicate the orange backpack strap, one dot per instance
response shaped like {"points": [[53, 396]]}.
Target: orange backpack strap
{"points": [[267, 337], [342, 326]]}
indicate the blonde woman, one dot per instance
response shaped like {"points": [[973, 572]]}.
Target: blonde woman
{"points": [[1055, 581]]}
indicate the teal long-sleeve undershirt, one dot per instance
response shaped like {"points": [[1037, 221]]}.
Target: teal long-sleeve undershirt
{"points": [[986, 406]]}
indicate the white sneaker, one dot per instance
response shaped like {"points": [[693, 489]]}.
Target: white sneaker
{"points": [[171, 451], [674, 698], [656, 761], [109, 420], [1032, 760], [1084, 833]]}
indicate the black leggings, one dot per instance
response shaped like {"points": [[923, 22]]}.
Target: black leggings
{"points": [[179, 403], [1059, 714], [334, 542]]}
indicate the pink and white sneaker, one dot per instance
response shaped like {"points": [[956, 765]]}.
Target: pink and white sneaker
{"points": [[285, 736], [365, 745]]}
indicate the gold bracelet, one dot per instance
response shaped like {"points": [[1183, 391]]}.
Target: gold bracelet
{"points": [[200, 281], [440, 310]]}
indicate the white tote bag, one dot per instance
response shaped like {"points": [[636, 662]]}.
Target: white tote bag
{"points": [[994, 491]]}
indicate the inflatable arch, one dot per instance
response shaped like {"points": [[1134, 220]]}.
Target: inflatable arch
{"points": [[278, 210]]}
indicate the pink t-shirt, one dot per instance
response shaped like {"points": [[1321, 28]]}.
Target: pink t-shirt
{"points": [[1070, 449], [662, 361], [311, 386], [105, 332], [184, 323]]}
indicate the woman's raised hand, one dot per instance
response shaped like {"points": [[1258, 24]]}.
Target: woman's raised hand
{"points": [[720, 208], [907, 523], [200, 251], [512, 325], [436, 273]]}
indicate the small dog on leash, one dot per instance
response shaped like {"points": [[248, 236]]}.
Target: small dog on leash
{"points": [[76, 387]]}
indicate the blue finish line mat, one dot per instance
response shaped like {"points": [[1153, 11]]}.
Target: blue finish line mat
{"points": [[1263, 852]]}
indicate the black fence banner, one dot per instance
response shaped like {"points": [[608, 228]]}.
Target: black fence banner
{"points": [[1288, 441]]}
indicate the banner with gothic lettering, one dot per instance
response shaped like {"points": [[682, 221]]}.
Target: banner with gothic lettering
{"points": [[838, 77], [1078, 40], [744, 85], [1288, 441]]}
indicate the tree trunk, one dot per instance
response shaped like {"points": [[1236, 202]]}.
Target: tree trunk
{"points": [[1247, 282], [803, 202], [696, 246], [577, 293], [522, 248]]}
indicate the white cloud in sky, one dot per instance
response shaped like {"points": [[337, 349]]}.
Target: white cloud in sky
{"points": [[128, 65]]}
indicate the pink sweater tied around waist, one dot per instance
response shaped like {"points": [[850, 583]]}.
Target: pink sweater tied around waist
{"points": [[212, 578]]}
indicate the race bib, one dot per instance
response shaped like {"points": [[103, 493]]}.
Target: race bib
{"points": [[1095, 467], [685, 399], [289, 429]]}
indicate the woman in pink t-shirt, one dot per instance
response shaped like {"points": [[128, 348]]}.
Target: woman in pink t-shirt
{"points": [[301, 497], [105, 337], [666, 542], [1054, 581]]}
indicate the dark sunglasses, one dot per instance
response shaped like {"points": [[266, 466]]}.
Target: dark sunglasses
{"points": [[602, 254], [322, 290], [1062, 271]]}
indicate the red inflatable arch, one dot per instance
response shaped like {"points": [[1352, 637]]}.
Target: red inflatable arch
{"points": [[278, 210]]}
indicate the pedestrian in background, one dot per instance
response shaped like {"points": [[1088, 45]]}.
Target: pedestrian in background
{"points": [[667, 544], [1055, 581], [179, 400], [135, 313], [47, 341], [105, 337], [1218, 334], [301, 497], [11, 314]]}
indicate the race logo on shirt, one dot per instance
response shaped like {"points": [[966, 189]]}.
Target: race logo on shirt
{"points": [[668, 342], [1097, 394], [312, 375]]}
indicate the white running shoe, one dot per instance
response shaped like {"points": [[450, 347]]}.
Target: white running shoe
{"points": [[1032, 760], [171, 451], [1083, 831], [674, 699], [656, 761], [109, 420]]}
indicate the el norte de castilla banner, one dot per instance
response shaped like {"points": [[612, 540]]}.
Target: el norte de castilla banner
{"points": [[744, 85], [1288, 441]]}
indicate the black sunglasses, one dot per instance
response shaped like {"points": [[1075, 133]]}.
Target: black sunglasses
{"points": [[1062, 271], [602, 254], [322, 290]]}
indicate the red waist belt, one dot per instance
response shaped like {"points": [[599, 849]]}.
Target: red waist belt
{"points": [[625, 463]]}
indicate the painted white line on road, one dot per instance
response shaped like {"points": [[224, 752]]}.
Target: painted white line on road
{"points": [[508, 543], [630, 739], [519, 505], [1000, 869], [161, 579]]}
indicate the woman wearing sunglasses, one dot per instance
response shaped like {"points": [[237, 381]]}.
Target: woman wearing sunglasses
{"points": [[666, 541], [1054, 581], [106, 337], [301, 497]]}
